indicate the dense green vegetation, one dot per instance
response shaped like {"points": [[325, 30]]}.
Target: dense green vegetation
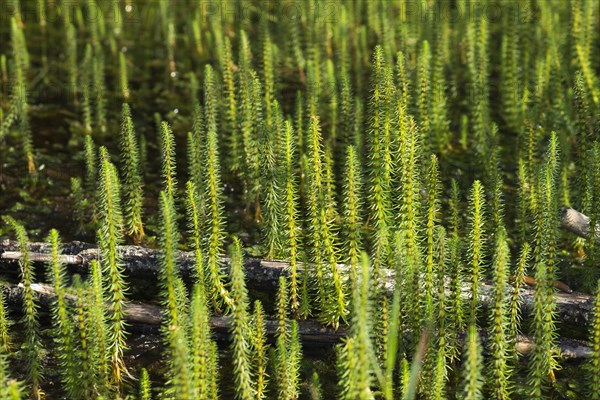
{"points": [[397, 154]]}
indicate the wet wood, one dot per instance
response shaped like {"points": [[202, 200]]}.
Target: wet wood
{"points": [[577, 223], [563, 287], [574, 308], [312, 333], [136, 313]]}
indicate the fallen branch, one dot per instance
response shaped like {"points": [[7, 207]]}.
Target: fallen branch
{"points": [[577, 223], [574, 309], [311, 332]]}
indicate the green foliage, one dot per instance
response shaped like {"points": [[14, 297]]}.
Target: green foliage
{"points": [[71, 43], [260, 348], [167, 151], [85, 379], [361, 331], [472, 369], [145, 388], [194, 224], [320, 131], [9, 387], [274, 203], [123, 76], [99, 325], [432, 217], [245, 387], [380, 157], [500, 351], [86, 84], [5, 324], [20, 104], [61, 318], [32, 345], [79, 202], [169, 238], [97, 67], [132, 179], [321, 236], [353, 213], [292, 242], [213, 196], [515, 301], [594, 363], [202, 365], [543, 361], [110, 236], [476, 243]]}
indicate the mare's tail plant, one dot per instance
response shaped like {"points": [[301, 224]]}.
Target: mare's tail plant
{"points": [[380, 157], [594, 363], [543, 361], [473, 380], [145, 392], [169, 171], [515, 301], [500, 351], [5, 323], [475, 253], [433, 188], [214, 209], [132, 177], [260, 348], [202, 365], [10, 389], [353, 218], [110, 236], [20, 109], [99, 324], [174, 327], [194, 228], [32, 346], [291, 213], [245, 387], [61, 318]]}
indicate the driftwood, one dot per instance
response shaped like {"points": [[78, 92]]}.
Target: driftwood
{"points": [[311, 331]]}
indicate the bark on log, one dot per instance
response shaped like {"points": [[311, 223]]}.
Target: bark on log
{"points": [[311, 332], [577, 223], [574, 309]]}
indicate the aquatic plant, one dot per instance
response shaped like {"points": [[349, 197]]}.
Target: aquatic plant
{"points": [[544, 362], [61, 317], [473, 380], [245, 387], [5, 323], [32, 346], [214, 212], [132, 179], [500, 352], [110, 236], [202, 366], [476, 245], [346, 127], [145, 388], [169, 168], [260, 349]]}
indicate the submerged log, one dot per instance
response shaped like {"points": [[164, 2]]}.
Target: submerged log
{"points": [[312, 333], [574, 308]]}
